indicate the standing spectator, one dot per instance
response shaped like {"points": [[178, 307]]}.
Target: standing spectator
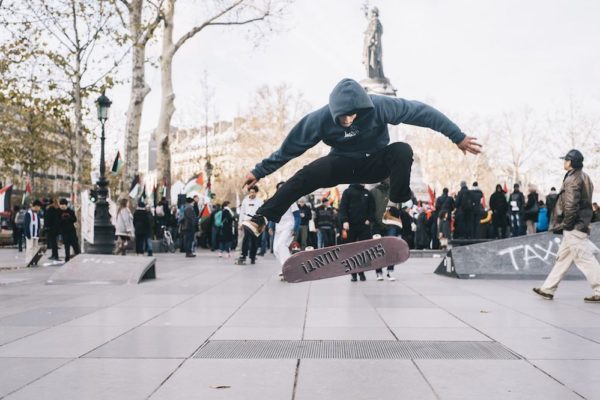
{"points": [[464, 213], [407, 233], [441, 202], [499, 207], [357, 213], [124, 227], [142, 228], [285, 231], [381, 197], [66, 228], [478, 211], [517, 203], [325, 224], [188, 227], [213, 230], [422, 235], [51, 228], [305, 217], [572, 219], [226, 229], [596, 214], [551, 201], [250, 204], [17, 219], [444, 229], [531, 209], [542, 221], [31, 227]]}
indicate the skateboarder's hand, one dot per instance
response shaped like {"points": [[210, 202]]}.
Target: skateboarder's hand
{"points": [[469, 144], [346, 226], [250, 180]]}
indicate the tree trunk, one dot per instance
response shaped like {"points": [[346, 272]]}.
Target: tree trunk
{"points": [[139, 91], [167, 105]]}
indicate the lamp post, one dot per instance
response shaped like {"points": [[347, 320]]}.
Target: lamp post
{"points": [[208, 168], [104, 231]]}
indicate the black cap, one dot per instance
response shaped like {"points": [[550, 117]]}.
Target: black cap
{"points": [[574, 156]]}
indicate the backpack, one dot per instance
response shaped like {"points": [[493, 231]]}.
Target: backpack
{"points": [[20, 218], [467, 201], [219, 219]]}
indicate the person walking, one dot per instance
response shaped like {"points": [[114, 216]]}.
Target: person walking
{"points": [[248, 210], [499, 207], [572, 218], [31, 228], [142, 227], [225, 231], [124, 227], [531, 209], [66, 228], [357, 214], [17, 219], [188, 226], [355, 125], [478, 211], [551, 201], [305, 217]]}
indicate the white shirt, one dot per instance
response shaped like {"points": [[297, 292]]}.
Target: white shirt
{"points": [[249, 207], [287, 219]]}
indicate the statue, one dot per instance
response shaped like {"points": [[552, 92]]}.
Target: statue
{"points": [[372, 57]]}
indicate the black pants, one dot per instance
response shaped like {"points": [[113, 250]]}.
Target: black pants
{"points": [[249, 245], [70, 240], [393, 161], [356, 233], [52, 237], [188, 240]]}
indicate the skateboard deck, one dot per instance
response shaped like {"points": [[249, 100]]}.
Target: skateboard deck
{"points": [[345, 259], [37, 256]]}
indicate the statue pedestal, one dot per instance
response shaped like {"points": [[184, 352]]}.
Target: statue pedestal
{"points": [[381, 86]]}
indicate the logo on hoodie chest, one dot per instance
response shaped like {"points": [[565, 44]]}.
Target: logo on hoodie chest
{"points": [[351, 131]]}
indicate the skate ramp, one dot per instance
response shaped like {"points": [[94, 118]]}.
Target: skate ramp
{"points": [[99, 269], [523, 257]]}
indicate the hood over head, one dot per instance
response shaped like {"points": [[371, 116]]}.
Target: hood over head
{"points": [[348, 97]]}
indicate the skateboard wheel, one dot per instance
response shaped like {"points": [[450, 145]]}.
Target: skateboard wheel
{"points": [[376, 236], [309, 248]]}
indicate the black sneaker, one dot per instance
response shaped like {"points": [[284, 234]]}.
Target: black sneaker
{"points": [[592, 299], [252, 261], [362, 276], [353, 279], [545, 295], [256, 224]]}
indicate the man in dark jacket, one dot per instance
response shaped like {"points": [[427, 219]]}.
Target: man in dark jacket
{"points": [[551, 202], [66, 227], [355, 125], [305, 217], [478, 211], [517, 204], [464, 213], [142, 224], [357, 213], [572, 217], [499, 207]]}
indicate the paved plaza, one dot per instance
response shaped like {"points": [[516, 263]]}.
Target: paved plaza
{"points": [[208, 329]]}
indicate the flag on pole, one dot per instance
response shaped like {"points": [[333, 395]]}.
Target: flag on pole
{"points": [[5, 194], [333, 195], [27, 194], [117, 164], [431, 196], [134, 189], [205, 211], [143, 196], [194, 185], [505, 187]]}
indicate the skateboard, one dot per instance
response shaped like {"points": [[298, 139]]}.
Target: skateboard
{"points": [[41, 250], [345, 259]]}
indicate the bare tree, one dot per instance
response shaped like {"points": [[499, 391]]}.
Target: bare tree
{"points": [[224, 13]]}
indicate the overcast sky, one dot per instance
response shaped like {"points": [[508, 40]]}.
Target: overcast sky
{"points": [[468, 57]]}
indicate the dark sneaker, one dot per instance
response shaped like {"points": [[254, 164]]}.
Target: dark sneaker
{"points": [[545, 295], [190, 255], [362, 276], [252, 261], [392, 217], [256, 224], [592, 299], [353, 279]]}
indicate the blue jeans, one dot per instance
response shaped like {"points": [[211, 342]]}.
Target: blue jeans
{"points": [[188, 241], [225, 246]]}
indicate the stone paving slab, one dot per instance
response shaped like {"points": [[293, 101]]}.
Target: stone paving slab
{"points": [[138, 341]]}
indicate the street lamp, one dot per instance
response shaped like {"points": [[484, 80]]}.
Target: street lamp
{"points": [[104, 231], [208, 168]]}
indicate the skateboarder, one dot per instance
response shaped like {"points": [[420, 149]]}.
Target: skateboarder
{"points": [[354, 124], [571, 217]]}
